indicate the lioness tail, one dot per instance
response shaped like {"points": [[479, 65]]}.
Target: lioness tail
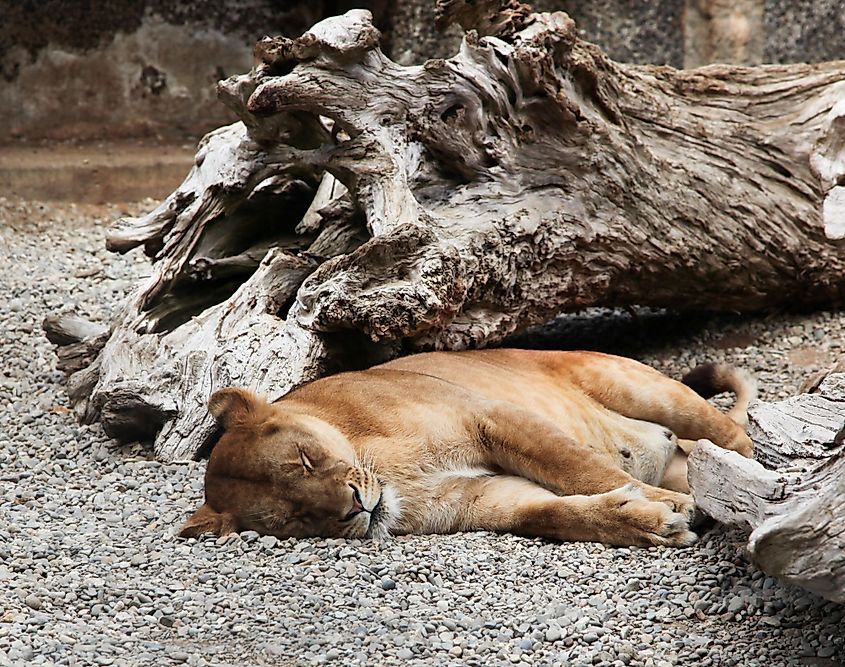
{"points": [[710, 379]]}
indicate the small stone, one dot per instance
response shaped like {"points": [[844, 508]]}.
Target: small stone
{"points": [[269, 541], [388, 584], [735, 604], [803, 603], [88, 529]]}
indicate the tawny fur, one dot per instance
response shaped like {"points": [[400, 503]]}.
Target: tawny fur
{"points": [[566, 445]]}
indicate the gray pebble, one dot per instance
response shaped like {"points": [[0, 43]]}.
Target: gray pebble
{"points": [[269, 541]]}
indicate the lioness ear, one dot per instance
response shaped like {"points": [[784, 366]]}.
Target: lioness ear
{"points": [[233, 405], [206, 520]]}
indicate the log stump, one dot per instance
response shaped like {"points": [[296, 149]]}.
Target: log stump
{"points": [[361, 209]]}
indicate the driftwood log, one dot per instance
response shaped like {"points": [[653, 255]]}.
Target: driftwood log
{"points": [[361, 209], [792, 496]]}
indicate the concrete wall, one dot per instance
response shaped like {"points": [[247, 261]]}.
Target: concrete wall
{"points": [[86, 69], [94, 69]]}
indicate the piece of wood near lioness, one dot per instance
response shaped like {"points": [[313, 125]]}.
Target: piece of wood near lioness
{"points": [[792, 497]]}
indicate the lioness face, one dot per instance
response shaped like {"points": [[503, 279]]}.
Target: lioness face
{"points": [[284, 474]]}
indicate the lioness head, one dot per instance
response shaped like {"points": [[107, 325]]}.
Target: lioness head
{"points": [[282, 472]]}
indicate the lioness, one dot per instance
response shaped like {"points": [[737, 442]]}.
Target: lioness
{"points": [[565, 445]]}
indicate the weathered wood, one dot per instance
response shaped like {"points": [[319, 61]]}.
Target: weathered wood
{"points": [[812, 383], [78, 342], [526, 176], [792, 496], [68, 328]]}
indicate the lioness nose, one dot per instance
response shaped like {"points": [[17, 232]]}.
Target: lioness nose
{"points": [[357, 503]]}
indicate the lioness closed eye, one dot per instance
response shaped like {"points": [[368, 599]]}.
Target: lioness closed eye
{"points": [[565, 445]]}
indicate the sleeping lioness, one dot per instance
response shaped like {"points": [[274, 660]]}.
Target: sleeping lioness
{"points": [[564, 445]]}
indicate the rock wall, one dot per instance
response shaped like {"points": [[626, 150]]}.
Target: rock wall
{"points": [[72, 69]]}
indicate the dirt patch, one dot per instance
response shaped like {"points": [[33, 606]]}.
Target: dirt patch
{"points": [[735, 339], [809, 357], [93, 173]]}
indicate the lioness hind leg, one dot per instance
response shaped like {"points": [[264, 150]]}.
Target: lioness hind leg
{"points": [[675, 477], [622, 517], [521, 443], [635, 390]]}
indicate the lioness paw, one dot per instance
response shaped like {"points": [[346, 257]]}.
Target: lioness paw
{"points": [[682, 503], [636, 520]]}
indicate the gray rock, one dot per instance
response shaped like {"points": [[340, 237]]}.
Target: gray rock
{"points": [[269, 541], [736, 603]]}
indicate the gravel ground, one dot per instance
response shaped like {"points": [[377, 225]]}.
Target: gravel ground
{"points": [[91, 573]]}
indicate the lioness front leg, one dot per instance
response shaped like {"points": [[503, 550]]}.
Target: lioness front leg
{"points": [[524, 444], [623, 517]]}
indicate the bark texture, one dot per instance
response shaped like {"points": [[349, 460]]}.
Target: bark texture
{"points": [[792, 496], [361, 209]]}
